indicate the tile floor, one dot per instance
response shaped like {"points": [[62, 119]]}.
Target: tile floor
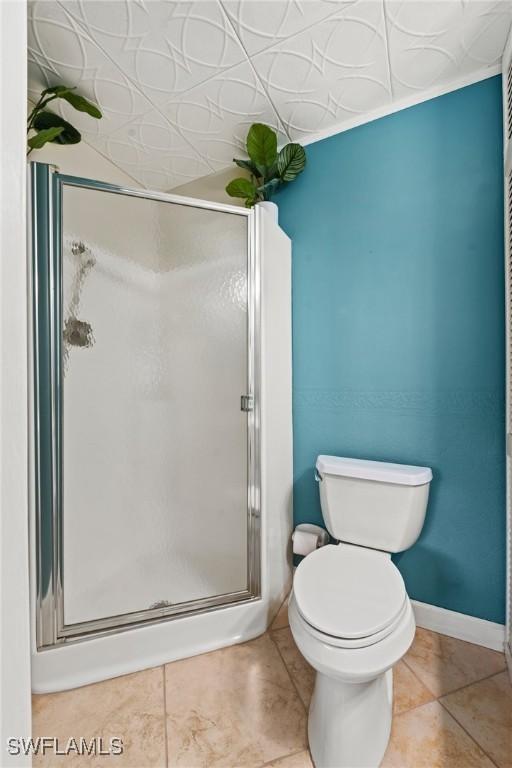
{"points": [[245, 706]]}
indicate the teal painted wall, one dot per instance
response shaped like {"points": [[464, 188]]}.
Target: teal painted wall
{"points": [[398, 327]]}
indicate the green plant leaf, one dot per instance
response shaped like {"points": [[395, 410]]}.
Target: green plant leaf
{"points": [[262, 146], [80, 104], [68, 135], [291, 161], [56, 90], [247, 165], [267, 190], [242, 188], [41, 138]]}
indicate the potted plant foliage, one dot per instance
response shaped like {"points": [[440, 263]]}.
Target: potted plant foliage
{"points": [[269, 169], [47, 126]]}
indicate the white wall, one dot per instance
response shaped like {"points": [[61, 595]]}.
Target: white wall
{"points": [[212, 187], [14, 587], [276, 405], [82, 160]]}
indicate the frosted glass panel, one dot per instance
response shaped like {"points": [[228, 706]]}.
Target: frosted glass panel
{"points": [[154, 441]]}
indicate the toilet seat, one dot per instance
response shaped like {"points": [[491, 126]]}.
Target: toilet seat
{"points": [[349, 596], [359, 642]]}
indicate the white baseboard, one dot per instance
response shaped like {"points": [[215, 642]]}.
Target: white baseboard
{"points": [[460, 625], [508, 657]]}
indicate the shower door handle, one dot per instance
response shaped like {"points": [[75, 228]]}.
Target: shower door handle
{"points": [[246, 403]]}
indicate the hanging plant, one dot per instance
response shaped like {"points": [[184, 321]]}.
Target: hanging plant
{"points": [[50, 127], [268, 168]]}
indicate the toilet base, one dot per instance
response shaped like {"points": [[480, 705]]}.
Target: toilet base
{"points": [[350, 723]]}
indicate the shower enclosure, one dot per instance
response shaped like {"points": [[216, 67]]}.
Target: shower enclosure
{"points": [[162, 431]]}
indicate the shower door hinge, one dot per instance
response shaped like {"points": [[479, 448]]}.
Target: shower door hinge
{"points": [[509, 444], [247, 403]]}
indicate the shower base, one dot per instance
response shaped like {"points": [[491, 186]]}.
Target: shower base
{"points": [[91, 660]]}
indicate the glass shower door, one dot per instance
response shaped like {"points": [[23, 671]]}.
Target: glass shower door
{"points": [[155, 457]]}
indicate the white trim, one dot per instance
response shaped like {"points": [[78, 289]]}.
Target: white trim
{"points": [[14, 584], [507, 170], [508, 658], [459, 625], [397, 106], [507, 53]]}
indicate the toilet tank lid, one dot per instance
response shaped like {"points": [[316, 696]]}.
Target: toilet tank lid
{"points": [[399, 474]]}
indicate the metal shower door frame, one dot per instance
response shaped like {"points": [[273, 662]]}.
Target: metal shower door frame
{"points": [[46, 201]]}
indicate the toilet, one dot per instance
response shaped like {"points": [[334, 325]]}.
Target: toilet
{"points": [[349, 611]]}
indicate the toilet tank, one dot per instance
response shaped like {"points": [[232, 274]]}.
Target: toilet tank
{"points": [[372, 503]]}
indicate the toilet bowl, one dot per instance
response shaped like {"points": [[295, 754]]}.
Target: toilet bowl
{"points": [[349, 611], [350, 713]]}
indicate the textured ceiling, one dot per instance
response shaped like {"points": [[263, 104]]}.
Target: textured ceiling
{"points": [[179, 83]]}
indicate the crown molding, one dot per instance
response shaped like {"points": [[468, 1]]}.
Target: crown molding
{"points": [[400, 104]]}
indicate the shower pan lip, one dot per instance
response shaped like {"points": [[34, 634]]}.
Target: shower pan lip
{"points": [[51, 631], [129, 621], [151, 644]]}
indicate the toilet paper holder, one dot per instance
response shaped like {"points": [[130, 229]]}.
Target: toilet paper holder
{"points": [[307, 537]]}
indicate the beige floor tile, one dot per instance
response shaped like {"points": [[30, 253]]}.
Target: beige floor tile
{"points": [[300, 760], [445, 664], [484, 709], [129, 707], [408, 690], [302, 674], [281, 619], [233, 707], [429, 737]]}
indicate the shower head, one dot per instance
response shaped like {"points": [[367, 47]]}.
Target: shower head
{"points": [[83, 253], [78, 333]]}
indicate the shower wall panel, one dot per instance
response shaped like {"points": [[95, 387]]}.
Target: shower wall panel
{"points": [[154, 441]]}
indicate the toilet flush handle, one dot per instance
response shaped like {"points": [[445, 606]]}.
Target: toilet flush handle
{"points": [[318, 476]]}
